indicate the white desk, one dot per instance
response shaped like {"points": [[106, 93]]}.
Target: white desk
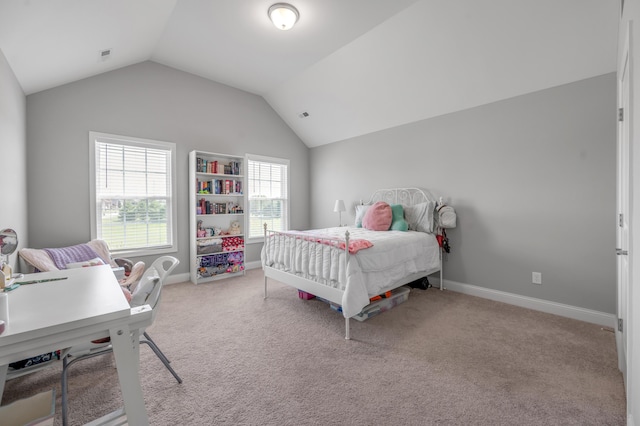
{"points": [[87, 305]]}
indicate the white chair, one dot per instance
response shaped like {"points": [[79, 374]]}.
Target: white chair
{"points": [[146, 292]]}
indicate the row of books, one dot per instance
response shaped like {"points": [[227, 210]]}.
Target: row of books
{"points": [[219, 186], [213, 166], [208, 207]]}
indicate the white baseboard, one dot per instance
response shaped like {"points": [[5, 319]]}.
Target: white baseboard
{"points": [[253, 265], [178, 278], [582, 314], [574, 312], [184, 277]]}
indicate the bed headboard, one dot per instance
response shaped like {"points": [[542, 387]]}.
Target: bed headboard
{"points": [[404, 196]]}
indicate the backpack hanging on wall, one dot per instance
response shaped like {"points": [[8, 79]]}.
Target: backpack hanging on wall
{"points": [[446, 216]]}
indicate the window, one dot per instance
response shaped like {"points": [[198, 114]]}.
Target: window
{"points": [[133, 193], [268, 194]]}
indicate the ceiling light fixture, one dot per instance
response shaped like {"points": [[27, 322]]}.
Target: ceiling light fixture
{"points": [[283, 15]]}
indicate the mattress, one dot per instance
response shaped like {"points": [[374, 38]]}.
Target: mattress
{"points": [[371, 271]]}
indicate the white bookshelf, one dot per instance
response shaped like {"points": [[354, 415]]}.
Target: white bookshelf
{"points": [[216, 200]]}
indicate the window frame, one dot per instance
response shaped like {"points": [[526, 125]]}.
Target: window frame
{"points": [[287, 210], [172, 217]]}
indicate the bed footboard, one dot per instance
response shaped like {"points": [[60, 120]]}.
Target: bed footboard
{"points": [[308, 262]]}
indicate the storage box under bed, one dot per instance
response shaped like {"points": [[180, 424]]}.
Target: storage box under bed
{"points": [[398, 296]]}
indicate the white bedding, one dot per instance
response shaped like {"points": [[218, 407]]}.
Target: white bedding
{"points": [[370, 272]]}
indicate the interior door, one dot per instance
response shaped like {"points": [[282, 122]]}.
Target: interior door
{"points": [[623, 206]]}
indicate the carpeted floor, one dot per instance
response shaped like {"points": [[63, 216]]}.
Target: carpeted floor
{"points": [[440, 358]]}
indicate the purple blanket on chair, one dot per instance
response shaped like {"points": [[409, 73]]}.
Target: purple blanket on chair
{"points": [[78, 253]]}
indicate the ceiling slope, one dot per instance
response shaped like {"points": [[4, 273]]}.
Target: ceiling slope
{"points": [[436, 57], [356, 66], [53, 42], [233, 42]]}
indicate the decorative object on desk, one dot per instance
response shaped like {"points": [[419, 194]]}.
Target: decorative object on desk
{"points": [[339, 207], [8, 241], [46, 280], [8, 244]]}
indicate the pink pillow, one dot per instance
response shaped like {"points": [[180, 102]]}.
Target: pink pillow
{"points": [[378, 217]]}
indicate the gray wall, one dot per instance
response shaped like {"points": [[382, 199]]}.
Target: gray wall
{"points": [[532, 179], [151, 101], [13, 161]]}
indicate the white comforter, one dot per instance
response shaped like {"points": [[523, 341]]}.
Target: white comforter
{"points": [[370, 271]]}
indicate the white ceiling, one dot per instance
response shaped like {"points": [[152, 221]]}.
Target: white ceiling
{"points": [[356, 66]]}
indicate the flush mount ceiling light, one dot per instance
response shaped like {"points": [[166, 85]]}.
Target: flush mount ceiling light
{"points": [[283, 15]]}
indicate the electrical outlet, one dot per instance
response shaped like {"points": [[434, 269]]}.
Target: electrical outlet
{"points": [[536, 277]]}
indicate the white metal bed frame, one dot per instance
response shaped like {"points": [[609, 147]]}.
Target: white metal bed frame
{"points": [[404, 196]]}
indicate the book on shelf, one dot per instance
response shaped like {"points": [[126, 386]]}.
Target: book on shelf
{"points": [[219, 186], [209, 207], [212, 166]]}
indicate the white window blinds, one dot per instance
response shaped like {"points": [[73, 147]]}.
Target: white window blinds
{"points": [[134, 202], [268, 195]]}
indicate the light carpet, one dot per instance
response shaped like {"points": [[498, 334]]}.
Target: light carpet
{"points": [[440, 358]]}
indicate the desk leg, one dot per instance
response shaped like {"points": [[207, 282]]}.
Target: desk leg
{"points": [[3, 378], [127, 353]]}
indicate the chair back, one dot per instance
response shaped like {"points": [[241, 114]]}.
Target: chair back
{"points": [[147, 292]]}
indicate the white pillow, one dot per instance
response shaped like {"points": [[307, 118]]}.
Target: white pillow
{"points": [[361, 209], [93, 262], [420, 217]]}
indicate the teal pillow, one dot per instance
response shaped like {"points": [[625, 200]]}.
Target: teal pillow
{"points": [[397, 218]]}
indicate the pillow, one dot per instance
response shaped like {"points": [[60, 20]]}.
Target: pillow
{"points": [[420, 217], [38, 259], [361, 209], [378, 217], [397, 218], [93, 262]]}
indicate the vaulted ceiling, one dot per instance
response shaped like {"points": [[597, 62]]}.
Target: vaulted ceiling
{"points": [[355, 66]]}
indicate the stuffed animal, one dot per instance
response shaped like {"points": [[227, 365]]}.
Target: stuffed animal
{"points": [[235, 260], [201, 232], [235, 228]]}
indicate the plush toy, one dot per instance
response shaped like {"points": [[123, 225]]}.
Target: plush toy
{"points": [[201, 232], [217, 230], [235, 228], [236, 260]]}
